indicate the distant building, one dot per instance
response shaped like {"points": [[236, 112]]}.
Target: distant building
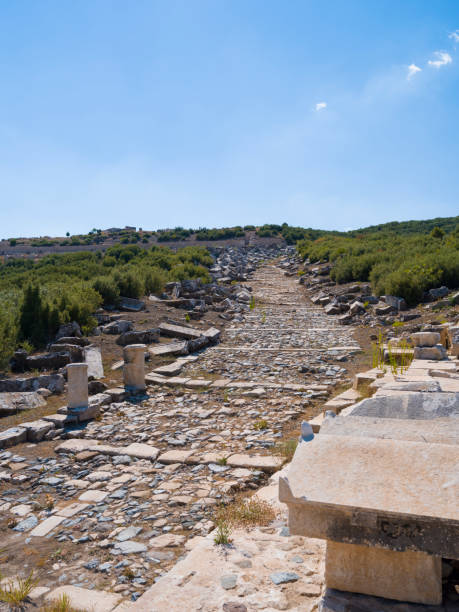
{"points": [[130, 227], [113, 230]]}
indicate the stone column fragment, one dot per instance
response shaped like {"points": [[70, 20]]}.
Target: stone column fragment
{"points": [[77, 379], [134, 368]]}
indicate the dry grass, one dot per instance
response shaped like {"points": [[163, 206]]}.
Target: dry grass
{"points": [[286, 449], [61, 605], [16, 590], [246, 513]]}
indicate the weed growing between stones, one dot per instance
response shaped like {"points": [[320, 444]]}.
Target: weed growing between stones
{"points": [[252, 303], [222, 532], [399, 362], [378, 354], [285, 449], [222, 461], [246, 513], [261, 424], [61, 605], [16, 591]]}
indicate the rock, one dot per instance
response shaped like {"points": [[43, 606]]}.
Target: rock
{"points": [[228, 581], [96, 386], [27, 524], [75, 351], [439, 292], [356, 308], [234, 607], [425, 339], [69, 330], [12, 436], [117, 327], [92, 356], [37, 430], [265, 463], [131, 304], [167, 540], [129, 547], [98, 601], [197, 344], [332, 309], [139, 337], [11, 403], [72, 340], [395, 302], [384, 310], [128, 533], [434, 353], [53, 382], [283, 577], [141, 451]]}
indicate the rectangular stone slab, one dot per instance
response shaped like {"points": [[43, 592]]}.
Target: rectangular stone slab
{"points": [[394, 494], [438, 431], [177, 331], [409, 405]]}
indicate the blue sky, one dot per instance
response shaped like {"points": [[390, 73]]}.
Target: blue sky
{"points": [[334, 114]]}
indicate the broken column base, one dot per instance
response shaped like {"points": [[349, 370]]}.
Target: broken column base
{"points": [[404, 576]]}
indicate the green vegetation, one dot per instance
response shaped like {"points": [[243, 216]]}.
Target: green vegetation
{"points": [[222, 532], [179, 233], [286, 449], [290, 234], [36, 297], [402, 263], [15, 591], [223, 233]]}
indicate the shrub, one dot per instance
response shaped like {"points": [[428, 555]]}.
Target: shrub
{"points": [[108, 289]]}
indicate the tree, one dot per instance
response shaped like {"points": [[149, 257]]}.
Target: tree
{"points": [[67, 233], [437, 232]]}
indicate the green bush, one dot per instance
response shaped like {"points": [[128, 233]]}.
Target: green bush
{"points": [[108, 289]]}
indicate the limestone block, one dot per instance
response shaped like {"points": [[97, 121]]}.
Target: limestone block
{"points": [[77, 385], [435, 353], [425, 338], [134, 367], [12, 436], [410, 405], [404, 576], [438, 431], [393, 494], [257, 462], [37, 430]]}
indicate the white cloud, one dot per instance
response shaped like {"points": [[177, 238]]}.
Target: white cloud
{"points": [[443, 59], [454, 35], [412, 70], [320, 106]]}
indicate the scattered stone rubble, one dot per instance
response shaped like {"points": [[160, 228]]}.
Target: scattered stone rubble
{"points": [[138, 472], [135, 478]]}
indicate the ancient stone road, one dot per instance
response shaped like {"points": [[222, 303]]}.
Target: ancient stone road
{"points": [[127, 491]]}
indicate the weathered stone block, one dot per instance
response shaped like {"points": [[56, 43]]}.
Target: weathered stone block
{"points": [[404, 576], [425, 338]]}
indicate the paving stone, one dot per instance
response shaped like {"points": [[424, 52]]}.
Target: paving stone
{"points": [[265, 463], [79, 598], [93, 496], [47, 525], [283, 577]]}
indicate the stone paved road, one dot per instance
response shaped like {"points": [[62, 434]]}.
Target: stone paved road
{"points": [[114, 507]]}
